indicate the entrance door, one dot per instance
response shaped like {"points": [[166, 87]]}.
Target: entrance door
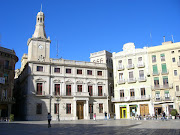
{"points": [[80, 106], [144, 109], [124, 113]]}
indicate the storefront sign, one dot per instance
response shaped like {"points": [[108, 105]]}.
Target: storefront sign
{"points": [[122, 105]]}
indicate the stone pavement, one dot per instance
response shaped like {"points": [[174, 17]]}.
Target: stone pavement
{"points": [[86, 127]]}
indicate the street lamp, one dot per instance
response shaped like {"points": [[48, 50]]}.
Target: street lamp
{"points": [[58, 100]]}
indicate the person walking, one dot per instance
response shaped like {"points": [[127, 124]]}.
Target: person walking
{"points": [[49, 120], [94, 116], [114, 116], [109, 116], [105, 114], [164, 116]]}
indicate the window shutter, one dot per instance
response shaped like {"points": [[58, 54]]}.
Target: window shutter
{"points": [[156, 78], [155, 70], [164, 69]]}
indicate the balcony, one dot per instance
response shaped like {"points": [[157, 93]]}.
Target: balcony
{"points": [[164, 72], [7, 100], [166, 86], [178, 63], [167, 99], [132, 98], [81, 94], [120, 99], [120, 67], [145, 97], [130, 66], [131, 80], [158, 99], [142, 79], [121, 81], [155, 73], [155, 87], [43, 93], [141, 65]]}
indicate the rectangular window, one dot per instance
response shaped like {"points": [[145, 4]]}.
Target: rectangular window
{"points": [[99, 73], [100, 108], [6, 77], [156, 81], [155, 69], [90, 90], [143, 92], [166, 94], [89, 72], [79, 71], [140, 59], [68, 90], [39, 108], [120, 76], [121, 93], [162, 57], [175, 72], [165, 80], [173, 60], [177, 87], [164, 69], [79, 88], [141, 73], [90, 108], [39, 68], [130, 75], [57, 70], [132, 94], [6, 64], [57, 89], [68, 108], [99, 90], [157, 95], [68, 70], [129, 61], [153, 58], [56, 108], [39, 89]]}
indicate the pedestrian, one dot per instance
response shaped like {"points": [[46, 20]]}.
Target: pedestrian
{"points": [[49, 120], [164, 116], [105, 114], [94, 116], [109, 116], [114, 116]]}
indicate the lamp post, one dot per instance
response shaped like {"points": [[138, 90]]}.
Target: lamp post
{"points": [[58, 100]]}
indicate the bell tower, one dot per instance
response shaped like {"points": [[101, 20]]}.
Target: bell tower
{"points": [[39, 44]]}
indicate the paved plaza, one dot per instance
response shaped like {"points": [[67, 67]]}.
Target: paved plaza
{"points": [[86, 127]]}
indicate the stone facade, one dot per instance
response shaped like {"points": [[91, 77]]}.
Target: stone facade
{"points": [[68, 89]]}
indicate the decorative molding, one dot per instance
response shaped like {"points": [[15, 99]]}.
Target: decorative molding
{"points": [[56, 81], [40, 80], [90, 82], [100, 83], [79, 82], [69, 81]]}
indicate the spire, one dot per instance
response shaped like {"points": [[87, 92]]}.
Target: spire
{"points": [[40, 28]]}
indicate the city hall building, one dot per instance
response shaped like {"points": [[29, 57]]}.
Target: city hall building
{"points": [[68, 89]]}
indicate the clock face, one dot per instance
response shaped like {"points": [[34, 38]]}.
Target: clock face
{"points": [[40, 47]]}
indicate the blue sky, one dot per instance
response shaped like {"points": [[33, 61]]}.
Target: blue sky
{"points": [[82, 27]]}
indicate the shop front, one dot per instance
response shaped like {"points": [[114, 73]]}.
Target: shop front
{"points": [[133, 110], [123, 112]]}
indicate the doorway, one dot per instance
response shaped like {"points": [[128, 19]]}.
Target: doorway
{"points": [[80, 108], [123, 113]]}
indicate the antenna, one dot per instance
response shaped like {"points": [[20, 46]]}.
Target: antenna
{"points": [[164, 38], [57, 49], [41, 7], [172, 39]]}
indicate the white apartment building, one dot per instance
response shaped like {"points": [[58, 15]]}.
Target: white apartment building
{"points": [[132, 82], [68, 89]]}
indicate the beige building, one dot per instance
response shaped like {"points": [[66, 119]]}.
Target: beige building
{"points": [[132, 83], [164, 71], [68, 89]]}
